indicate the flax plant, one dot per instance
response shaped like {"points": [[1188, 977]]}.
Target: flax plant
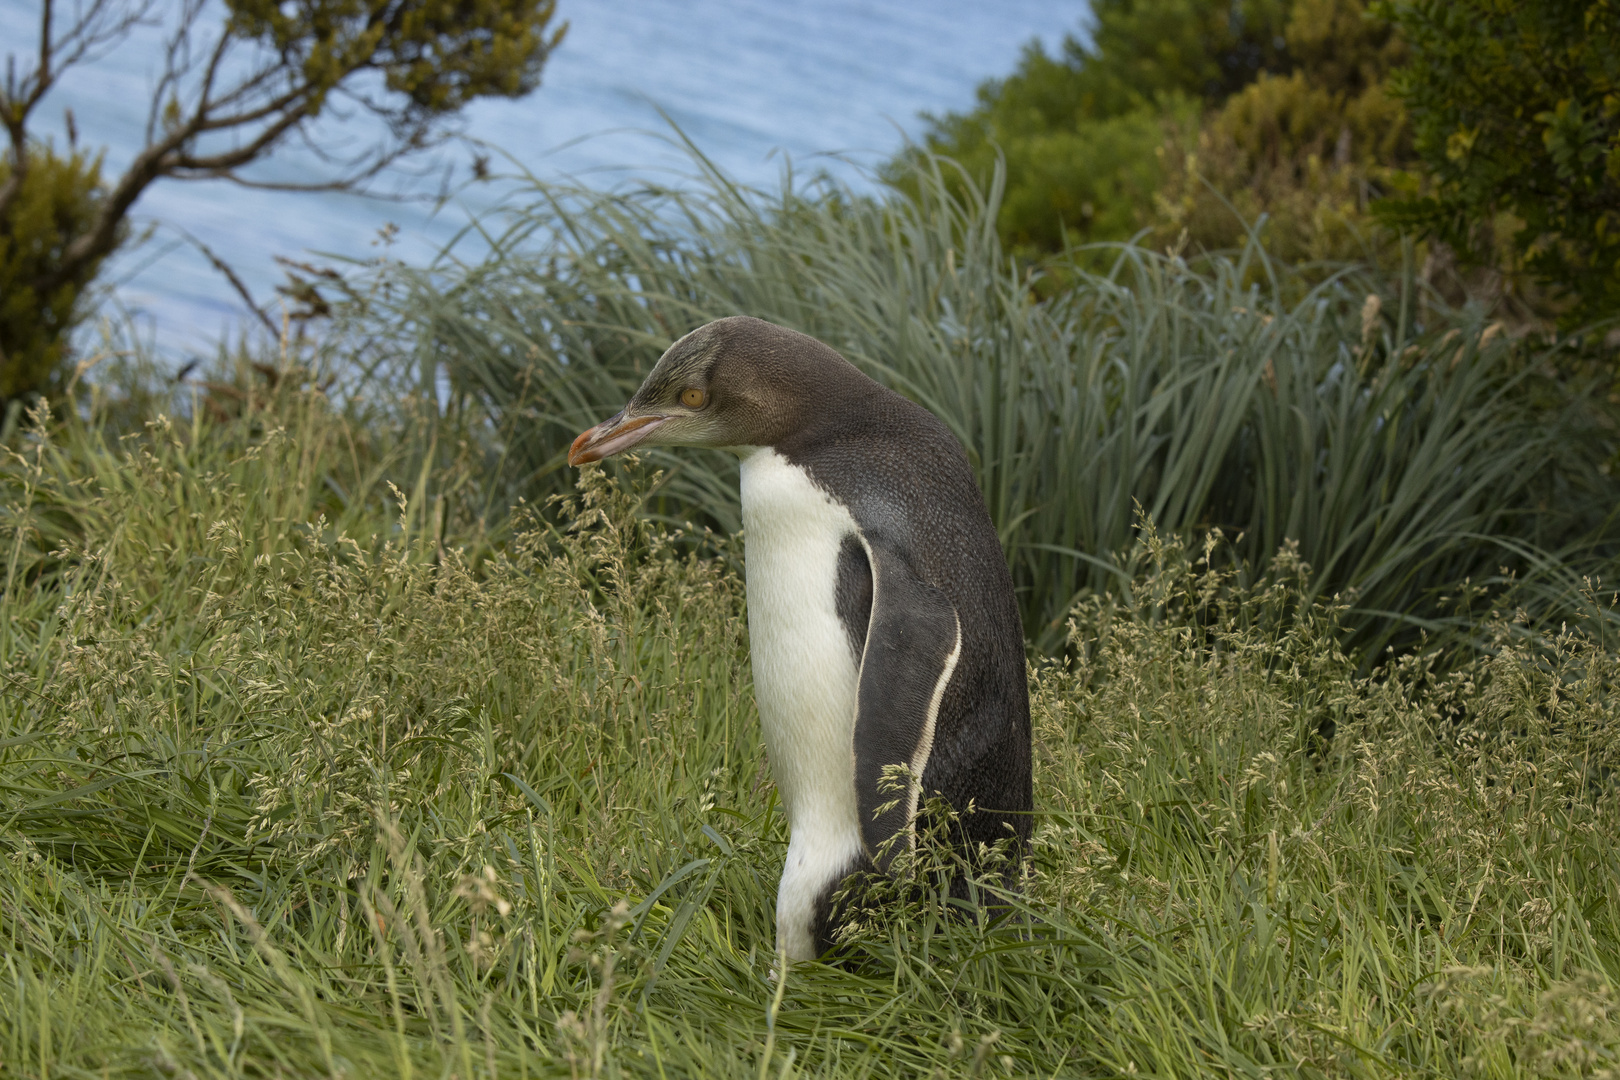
{"points": [[1401, 447]]}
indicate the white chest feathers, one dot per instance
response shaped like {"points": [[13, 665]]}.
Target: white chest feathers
{"points": [[805, 679]]}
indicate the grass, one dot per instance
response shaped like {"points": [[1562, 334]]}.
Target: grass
{"points": [[301, 776]]}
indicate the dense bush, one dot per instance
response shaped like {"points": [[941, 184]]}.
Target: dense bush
{"points": [[1516, 110], [57, 200], [1189, 120]]}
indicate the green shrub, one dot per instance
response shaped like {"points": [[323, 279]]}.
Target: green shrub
{"points": [[1516, 109], [1191, 120], [1301, 153], [1065, 184], [59, 199]]}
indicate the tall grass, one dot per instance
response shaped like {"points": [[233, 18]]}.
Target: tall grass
{"points": [[292, 795], [1402, 448]]}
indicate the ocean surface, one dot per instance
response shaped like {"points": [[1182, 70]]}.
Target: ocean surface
{"points": [[835, 84]]}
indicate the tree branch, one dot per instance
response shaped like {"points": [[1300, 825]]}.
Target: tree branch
{"points": [[346, 183], [19, 170], [248, 152], [296, 61], [44, 69], [102, 236], [206, 93], [174, 67], [17, 101], [243, 119]]}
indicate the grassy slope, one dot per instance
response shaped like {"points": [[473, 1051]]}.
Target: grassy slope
{"points": [[322, 799]]}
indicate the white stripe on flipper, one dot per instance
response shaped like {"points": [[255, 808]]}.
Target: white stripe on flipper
{"points": [[925, 745]]}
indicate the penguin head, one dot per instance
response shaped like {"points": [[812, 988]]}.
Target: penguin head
{"points": [[730, 383]]}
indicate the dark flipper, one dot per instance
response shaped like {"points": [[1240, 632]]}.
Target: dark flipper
{"points": [[852, 594], [912, 645]]}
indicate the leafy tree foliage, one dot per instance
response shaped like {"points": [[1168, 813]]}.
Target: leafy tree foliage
{"points": [[229, 92], [1309, 148], [437, 54], [1180, 112], [1144, 49], [1515, 108], [58, 199], [1071, 176]]}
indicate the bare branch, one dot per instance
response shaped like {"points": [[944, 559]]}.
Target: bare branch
{"points": [[102, 236], [269, 108], [43, 75], [242, 155], [206, 93], [248, 86], [90, 34], [176, 63], [98, 26], [350, 182]]}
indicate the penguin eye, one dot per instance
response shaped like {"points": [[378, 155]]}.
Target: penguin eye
{"points": [[693, 398]]}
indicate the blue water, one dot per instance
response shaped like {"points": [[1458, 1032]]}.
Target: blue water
{"points": [[835, 84]]}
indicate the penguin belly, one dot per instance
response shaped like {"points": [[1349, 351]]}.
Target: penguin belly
{"points": [[806, 677]]}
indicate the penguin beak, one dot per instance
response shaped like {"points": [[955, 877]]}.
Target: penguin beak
{"points": [[612, 436]]}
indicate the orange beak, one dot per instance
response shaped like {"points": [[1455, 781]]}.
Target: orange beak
{"points": [[611, 437]]}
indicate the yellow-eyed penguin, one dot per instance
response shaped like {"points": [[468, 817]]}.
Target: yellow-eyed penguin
{"points": [[881, 617]]}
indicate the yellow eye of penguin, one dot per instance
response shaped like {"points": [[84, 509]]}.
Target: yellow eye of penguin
{"points": [[693, 398]]}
